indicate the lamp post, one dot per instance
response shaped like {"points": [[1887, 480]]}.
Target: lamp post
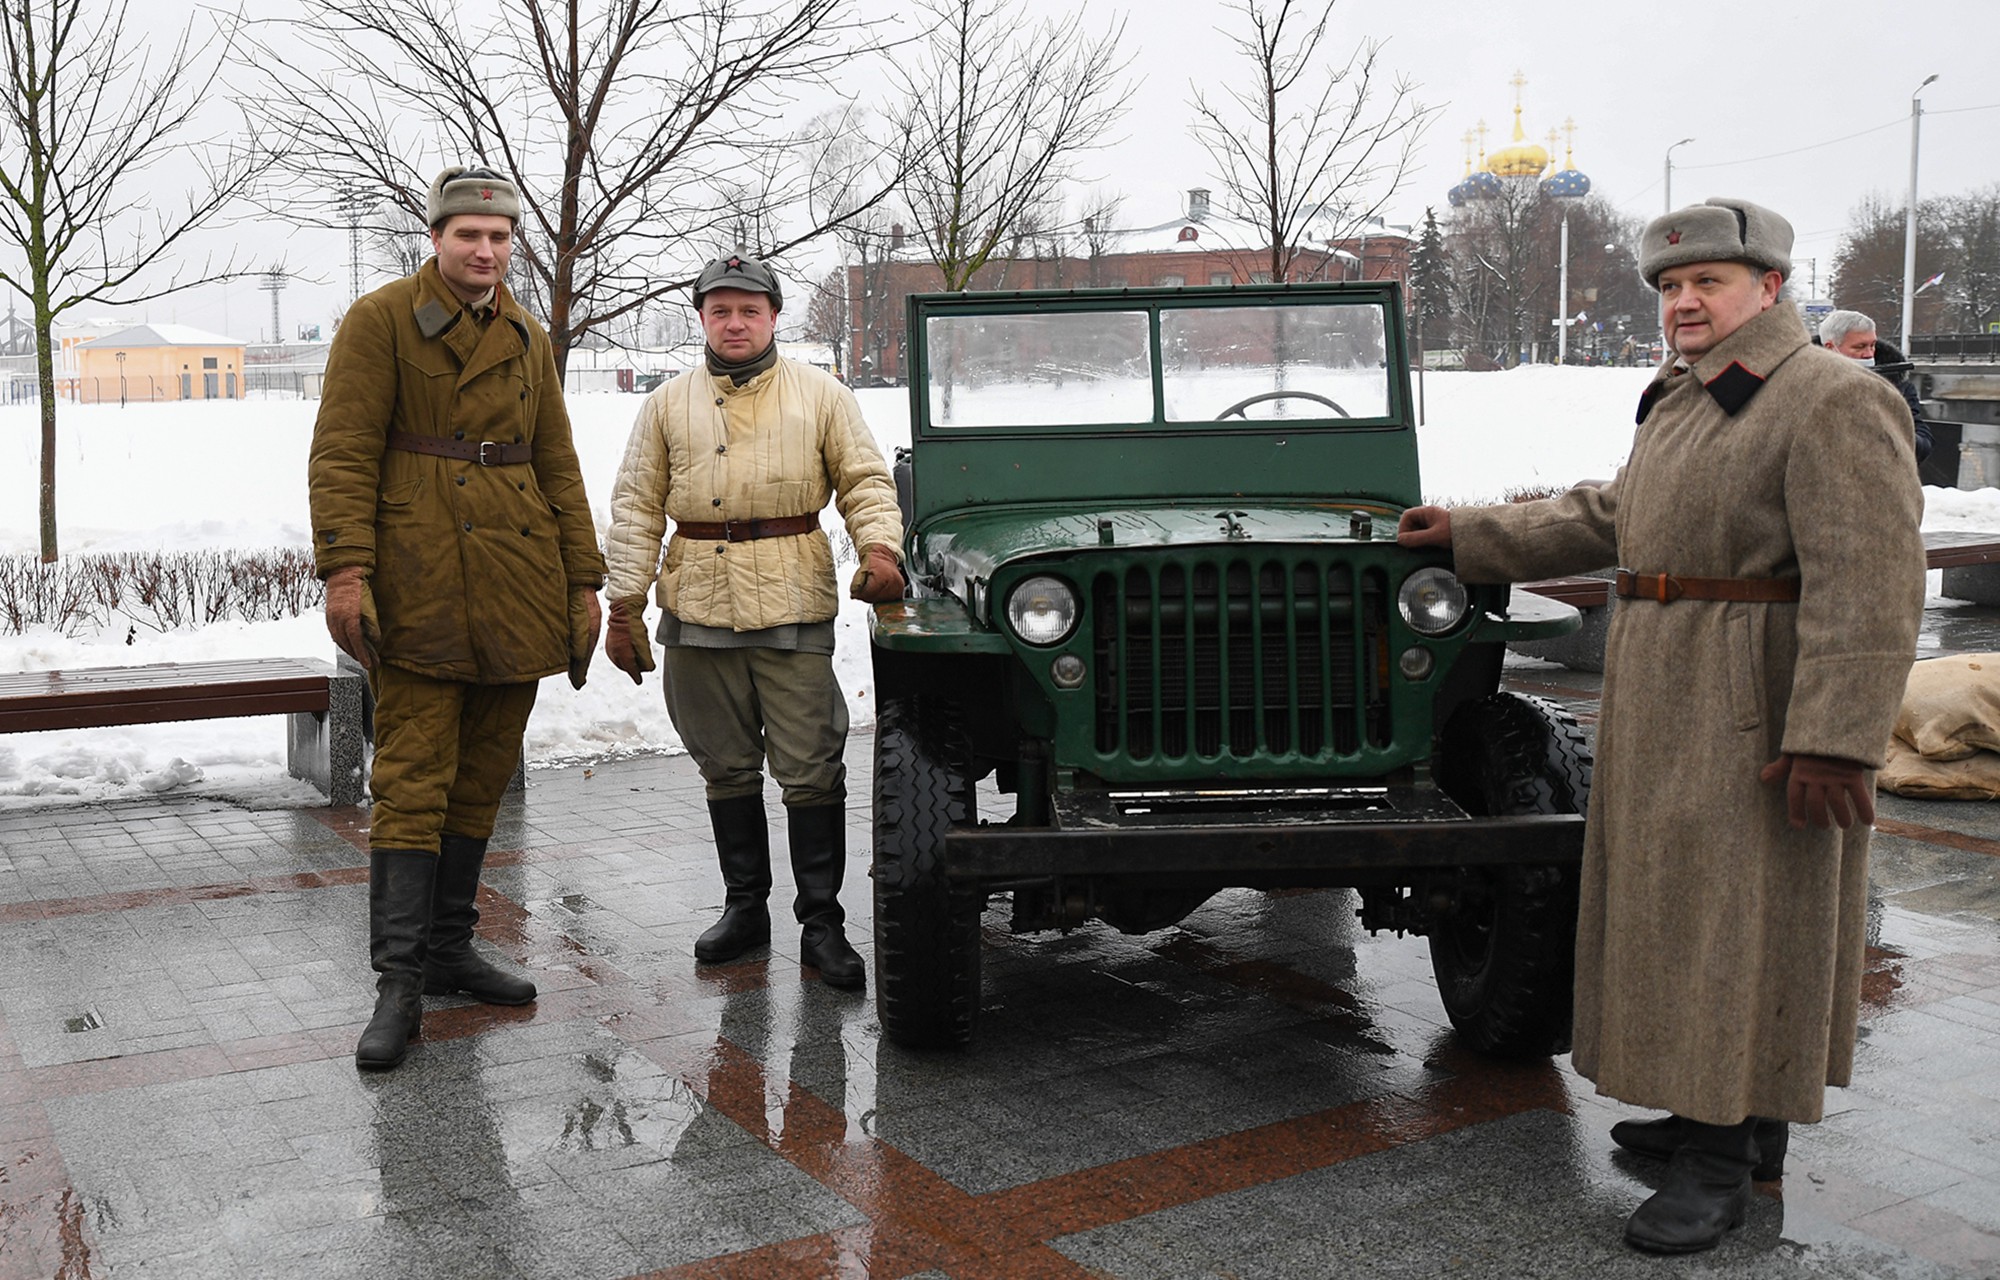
{"points": [[1670, 174], [121, 379], [1910, 229]]}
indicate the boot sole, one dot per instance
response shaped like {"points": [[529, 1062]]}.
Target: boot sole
{"points": [[713, 957], [1644, 1245], [445, 989], [857, 983]]}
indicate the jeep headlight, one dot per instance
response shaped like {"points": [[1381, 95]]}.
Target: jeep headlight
{"points": [[1432, 601], [1042, 610]]}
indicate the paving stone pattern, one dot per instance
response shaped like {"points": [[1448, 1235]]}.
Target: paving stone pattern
{"points": [[1261, 1091]]}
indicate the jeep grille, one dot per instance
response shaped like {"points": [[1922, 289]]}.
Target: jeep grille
{"points": [[1240, 657]]}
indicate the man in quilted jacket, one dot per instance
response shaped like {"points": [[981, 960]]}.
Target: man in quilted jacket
{"points": [[741, 456]]}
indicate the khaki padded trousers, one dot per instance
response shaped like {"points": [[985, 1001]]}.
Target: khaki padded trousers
{"points": [[444, 752]]}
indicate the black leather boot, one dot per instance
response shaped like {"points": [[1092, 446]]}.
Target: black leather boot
{"points": [[743, 845], [1660, 1138], [450, 963], [399, 920], [818, 835], [1706, 1192]]}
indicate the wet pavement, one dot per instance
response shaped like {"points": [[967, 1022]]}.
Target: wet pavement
{"points": [[1261, 1091]]}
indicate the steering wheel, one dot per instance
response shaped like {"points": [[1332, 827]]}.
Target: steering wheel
{"points": [[1313, 396]]}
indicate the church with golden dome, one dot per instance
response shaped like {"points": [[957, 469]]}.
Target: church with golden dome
{"points": [[1521, 160]]}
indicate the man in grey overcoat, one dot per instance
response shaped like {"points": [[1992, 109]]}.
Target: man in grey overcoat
{"points": [[1768, 523]]}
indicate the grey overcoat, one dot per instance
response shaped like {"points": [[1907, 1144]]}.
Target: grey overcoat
{"points": [[1719, 952]]}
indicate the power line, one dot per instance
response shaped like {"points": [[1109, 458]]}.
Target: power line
{"points": [[1815, 146]]}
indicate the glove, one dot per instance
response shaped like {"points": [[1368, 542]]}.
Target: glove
{"points": [[878, 580], [625, 641], [585, 617], [350, 615], [1823, 791]]}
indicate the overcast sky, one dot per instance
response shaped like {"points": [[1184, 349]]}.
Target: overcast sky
{"points": [[1804, 107]]}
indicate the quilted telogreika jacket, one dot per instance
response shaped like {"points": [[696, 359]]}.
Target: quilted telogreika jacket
{"points": [[471, 566], [706, 450]]}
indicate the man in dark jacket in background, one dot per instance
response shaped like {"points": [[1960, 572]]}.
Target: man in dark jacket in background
{"points": [[1852, 334], [461, 565]]}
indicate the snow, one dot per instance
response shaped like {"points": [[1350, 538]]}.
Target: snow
{"points": [[232, 475]]}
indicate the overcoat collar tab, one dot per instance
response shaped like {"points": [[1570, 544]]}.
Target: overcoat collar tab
{"points": [[1739, 365]]}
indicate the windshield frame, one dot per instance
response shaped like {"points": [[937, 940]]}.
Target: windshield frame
{"points": [[1386, 296]]}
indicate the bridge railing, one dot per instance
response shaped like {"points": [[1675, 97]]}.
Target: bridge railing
{"points": [[1955, 346]]}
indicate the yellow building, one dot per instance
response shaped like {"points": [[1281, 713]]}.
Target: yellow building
{"points": [[152, 362]]}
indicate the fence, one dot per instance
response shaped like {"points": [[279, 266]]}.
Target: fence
{"points": [[1955, 346]]}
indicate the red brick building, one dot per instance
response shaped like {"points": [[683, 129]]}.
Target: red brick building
{"points": [[1200, 248]]}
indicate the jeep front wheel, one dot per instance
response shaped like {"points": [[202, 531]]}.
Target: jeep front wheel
{"points": [[926, 931], [1504, 950]]}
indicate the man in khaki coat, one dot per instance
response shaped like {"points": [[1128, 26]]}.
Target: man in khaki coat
{"points": [[1768, 516], [741, 456], [461, 565]]}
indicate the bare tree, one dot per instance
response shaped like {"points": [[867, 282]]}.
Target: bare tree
{"points": [[1308, 143], [998, 113], [643, 134], [84, 117]]}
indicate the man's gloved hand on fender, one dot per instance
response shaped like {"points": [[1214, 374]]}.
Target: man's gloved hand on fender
{"points": [[585, 617], [625, 641], [350, 614], [879, 580]]}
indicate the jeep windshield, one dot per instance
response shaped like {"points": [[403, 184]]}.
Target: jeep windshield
{"points": [[1208, 360]]}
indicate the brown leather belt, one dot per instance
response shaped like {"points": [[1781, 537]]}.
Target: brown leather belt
{"points": [[748, 530], [1667, 587], [487, 453]]}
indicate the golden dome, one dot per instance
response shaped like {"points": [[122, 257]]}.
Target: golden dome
{"points": [[1521, 158]]}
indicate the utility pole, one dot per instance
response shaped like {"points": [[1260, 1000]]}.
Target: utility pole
{"points": [[1910, 230]]}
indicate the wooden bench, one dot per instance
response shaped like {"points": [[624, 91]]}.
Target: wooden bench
{"points": [[325, 736], [1970, 560]]}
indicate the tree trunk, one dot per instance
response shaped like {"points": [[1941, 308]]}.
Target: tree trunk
{"points": [[45, 378]]}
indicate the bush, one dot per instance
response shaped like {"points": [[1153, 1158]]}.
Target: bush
{"points": [[166, 591]]}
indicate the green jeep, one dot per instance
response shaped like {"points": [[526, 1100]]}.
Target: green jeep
{"points": [[1157, 597]]}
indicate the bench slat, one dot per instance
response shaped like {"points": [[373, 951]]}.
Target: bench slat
{"points": [[99, 697]]}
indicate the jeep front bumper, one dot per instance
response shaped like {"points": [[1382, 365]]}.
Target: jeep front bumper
{"points": [[1315, 832]]}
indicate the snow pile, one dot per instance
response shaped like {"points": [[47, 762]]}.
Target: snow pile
{"points": [[199, 476]]}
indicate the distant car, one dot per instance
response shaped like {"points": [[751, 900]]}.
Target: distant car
{"points": [[1157, 597]]}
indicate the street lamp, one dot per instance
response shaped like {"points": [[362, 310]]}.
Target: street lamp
{"points": [[1910, 229], [1670, 173], [121, 379]]}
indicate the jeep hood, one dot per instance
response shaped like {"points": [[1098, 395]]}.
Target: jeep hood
{"points": [[971, 543]]}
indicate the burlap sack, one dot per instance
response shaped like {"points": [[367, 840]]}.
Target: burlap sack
{"points": [[1946, 744]]}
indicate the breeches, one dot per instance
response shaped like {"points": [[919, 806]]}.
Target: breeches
{"points": [[444, 752], [735, 707]]}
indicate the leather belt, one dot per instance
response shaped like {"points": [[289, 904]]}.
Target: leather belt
{"points": [[748, 530], [487, 453], [1667, 587]]}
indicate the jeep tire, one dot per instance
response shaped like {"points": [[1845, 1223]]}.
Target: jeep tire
{"points": [[926, 932], [1504, 950]]}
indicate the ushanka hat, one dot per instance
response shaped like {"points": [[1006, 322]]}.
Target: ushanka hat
{"points": [[739, 271], [1717, 230], [471, 190]]}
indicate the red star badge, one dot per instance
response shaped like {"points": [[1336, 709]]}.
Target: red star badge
{"points": [[1673, 237], [486, 193]]}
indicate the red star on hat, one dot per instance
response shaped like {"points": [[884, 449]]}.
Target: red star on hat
{"points": [[733, 263], [486, 193], [1673, 237]]}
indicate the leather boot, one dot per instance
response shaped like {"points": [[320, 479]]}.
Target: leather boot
{"points": [[1660, 1138], [818, 835], [1705, 1194], [450, 963], [399, 920], [743, 845]]}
